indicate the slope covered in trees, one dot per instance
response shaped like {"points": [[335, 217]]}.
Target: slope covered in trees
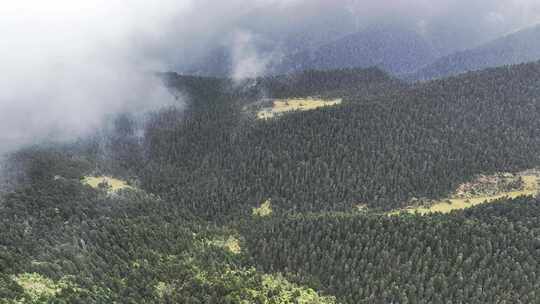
{"points": [[62, 241], [226, 208], [485, 255], [382, 151]]}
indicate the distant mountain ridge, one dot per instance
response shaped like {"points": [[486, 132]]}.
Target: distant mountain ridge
{"points": [[519, 47], [393, 49], [397, 50]]}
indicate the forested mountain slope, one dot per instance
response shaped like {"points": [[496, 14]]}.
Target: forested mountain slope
{"points": [[488, 254], [64, 242], [186, 230], [522, 46], [417, 142]]}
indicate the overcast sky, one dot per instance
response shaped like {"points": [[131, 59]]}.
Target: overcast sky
{"points": [[68, 63]]}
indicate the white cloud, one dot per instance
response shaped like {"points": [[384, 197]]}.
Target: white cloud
{"points": [[67, 63], [248, 62]]}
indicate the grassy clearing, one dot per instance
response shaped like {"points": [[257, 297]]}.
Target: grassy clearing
{"points": [[282, 106], [106, 182], [264, 210], [463, 199]]}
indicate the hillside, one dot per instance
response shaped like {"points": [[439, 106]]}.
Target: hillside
{"points": [[522, 46], [383, 150], [270, 152], [213, 205], [484, 255], [63, 241]]}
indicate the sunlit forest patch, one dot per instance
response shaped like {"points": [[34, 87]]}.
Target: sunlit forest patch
{"points": [[38, 288], [236, 285], [292, 293], [281, 106], [105, 182], [231, 244], [163, 289], [484, 189], [36, 285]]}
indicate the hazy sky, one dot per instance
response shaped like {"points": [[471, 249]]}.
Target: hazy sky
{"points": [[68, 63]]}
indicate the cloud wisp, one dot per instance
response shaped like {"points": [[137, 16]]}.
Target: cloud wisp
{"points": [[68, 64]]}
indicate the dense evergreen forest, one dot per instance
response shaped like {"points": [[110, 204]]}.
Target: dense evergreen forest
{"points": [[64, 242], [186, 233], [485, 255], [379, 150]]}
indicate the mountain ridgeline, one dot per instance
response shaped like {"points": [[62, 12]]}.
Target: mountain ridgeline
{"points": [[392, 49], [522, 46], [400, 51]]}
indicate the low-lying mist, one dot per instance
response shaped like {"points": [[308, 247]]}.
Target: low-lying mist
{"points": [[66, 65]]}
